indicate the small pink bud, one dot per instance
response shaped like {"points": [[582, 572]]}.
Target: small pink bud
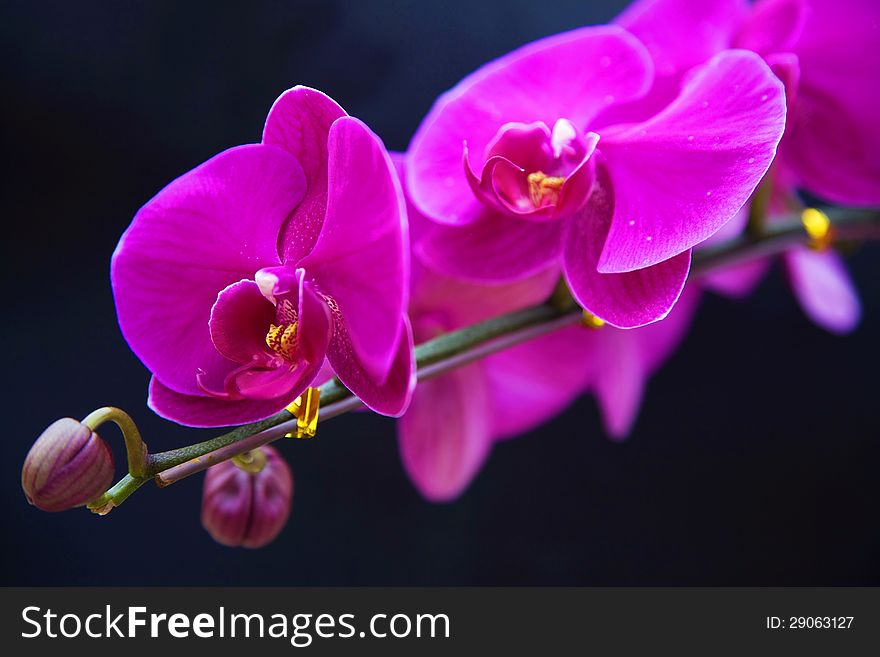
{"points": [[247, 502], [68, 466]]}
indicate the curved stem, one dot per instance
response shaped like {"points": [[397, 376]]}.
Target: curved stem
{"points": [[471, 343], [134, 444]]}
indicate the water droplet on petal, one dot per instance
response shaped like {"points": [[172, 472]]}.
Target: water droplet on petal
{"points": [[632, 222], [709, 193], [763, 98], [648, 238], [751, 160], [690, 137]]}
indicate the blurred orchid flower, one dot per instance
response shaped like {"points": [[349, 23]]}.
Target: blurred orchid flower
{"points": [[521, 173], [825, 52]]}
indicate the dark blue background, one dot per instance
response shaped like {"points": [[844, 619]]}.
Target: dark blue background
{"points": [[753, 462]]}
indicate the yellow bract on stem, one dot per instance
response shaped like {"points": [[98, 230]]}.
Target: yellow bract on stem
{"points": [[818, 227], [305, 409], [591, 321]]}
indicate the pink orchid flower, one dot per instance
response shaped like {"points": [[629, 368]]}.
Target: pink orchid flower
{"points": [[825, 51], [237, 281], [524, 173], [454, 420]]}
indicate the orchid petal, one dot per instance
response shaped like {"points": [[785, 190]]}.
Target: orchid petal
{"points": [[299, 122], [496, 249], [786, 67], [737, 281], [278, 380], [627, 299], [824, 289], [680, 34], [625, 359], [659, 340], [572, 76], [315, 328], [525, 391], [773, 26], [464, 304], [681, 175], [186, 244], [362, 257], [620, 384], [240, 320], [833, 141], [203, 411], [444, 434], [391, 397]]}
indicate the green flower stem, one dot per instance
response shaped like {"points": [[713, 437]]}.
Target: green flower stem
{"points": [[440, 355], [134, 444], [471, 343], [848, 225], [117, 495]]}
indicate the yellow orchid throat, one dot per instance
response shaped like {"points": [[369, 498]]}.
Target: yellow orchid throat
{"points": [[281, 338], [544, 189]]}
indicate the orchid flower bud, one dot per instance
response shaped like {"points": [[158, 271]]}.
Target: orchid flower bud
{"points": [[246, 500], [68, 466]]}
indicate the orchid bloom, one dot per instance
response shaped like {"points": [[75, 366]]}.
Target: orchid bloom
{"points": [[454, 420], [237, 281], [825, 51], [521, 172]]}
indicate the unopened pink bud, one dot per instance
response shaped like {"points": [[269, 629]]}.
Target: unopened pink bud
{"points": [[247, 503], [68, 466]]}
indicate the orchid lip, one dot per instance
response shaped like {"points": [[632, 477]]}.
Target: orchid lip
{"points": [[257, 325], [533, 172], [281, 338]]}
